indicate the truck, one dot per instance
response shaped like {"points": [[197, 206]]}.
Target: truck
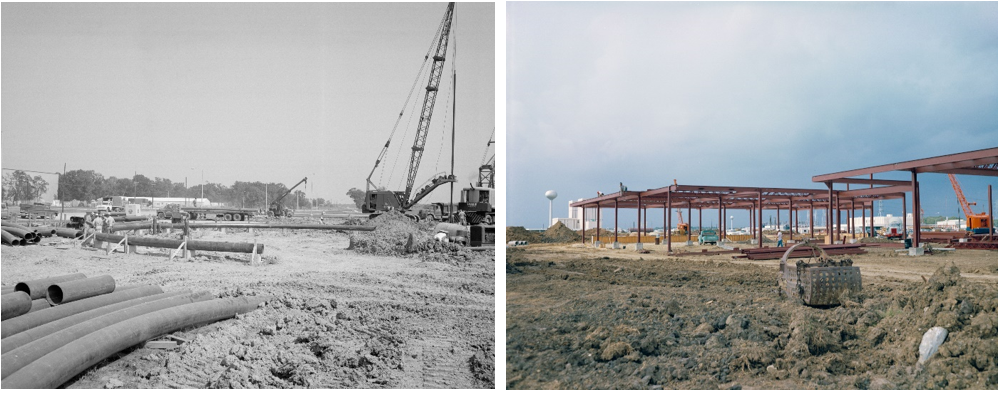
{"points": [[173, 211], [708, 237]]}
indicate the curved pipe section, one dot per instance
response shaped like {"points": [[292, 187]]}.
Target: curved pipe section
{"points": [[25, 337], [32, 320], [63, 292], [61, 365], [38, 305], [16, 359], [14, 304], [37, 288]]}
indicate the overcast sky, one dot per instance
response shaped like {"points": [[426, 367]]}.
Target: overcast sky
{"points": [[742, 94], [242, 91]]}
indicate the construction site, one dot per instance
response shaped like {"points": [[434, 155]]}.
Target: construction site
{"points": [[394, 291], [839, 305]]}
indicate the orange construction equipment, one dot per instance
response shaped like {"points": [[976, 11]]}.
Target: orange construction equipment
{"points": [[975, 223]]}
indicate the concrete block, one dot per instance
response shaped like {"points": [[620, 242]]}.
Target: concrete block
{"points": [[915, 251]]}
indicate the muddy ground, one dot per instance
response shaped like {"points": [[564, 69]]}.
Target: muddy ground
{"points": [[338, 319], [583, 318]]}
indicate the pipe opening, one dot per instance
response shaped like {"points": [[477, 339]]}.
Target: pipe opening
{"points": [[21, 287], [55, 295]]}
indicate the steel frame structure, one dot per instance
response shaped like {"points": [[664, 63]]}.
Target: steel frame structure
{"points": [[983, 162]]}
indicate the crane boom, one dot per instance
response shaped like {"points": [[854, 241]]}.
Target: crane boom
{"points": [[430, 94], [959, 195]]}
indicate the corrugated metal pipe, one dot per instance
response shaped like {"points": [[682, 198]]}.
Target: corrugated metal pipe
{"points": [[32, 320], [61, 365]]}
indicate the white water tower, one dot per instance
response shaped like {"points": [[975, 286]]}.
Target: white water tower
{"points": [[551, 195]]}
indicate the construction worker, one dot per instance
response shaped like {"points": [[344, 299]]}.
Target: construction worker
{"points": [[108, 222], [780, 238], [88, 225], [98, 225]]}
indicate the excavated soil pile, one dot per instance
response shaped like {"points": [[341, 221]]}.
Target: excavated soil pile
{"points": [[682, 324], [559, 233], [519, 233], [398, 235]]}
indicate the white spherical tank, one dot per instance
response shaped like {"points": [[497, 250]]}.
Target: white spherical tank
{"points": [[551, 195]]}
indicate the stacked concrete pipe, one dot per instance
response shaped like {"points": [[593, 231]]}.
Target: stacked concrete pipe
{"points": [[63, 292], [61, 365], [11, 239], [32, 320], [20, 356], [38, 288], [14, 304]]}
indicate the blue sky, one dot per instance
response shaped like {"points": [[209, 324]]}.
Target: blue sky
{"points": [[743, 94], [241, 91]]}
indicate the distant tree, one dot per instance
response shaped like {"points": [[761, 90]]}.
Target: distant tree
{"points": [[19, 186], [358, 196], [81, 185], [142, 186]]}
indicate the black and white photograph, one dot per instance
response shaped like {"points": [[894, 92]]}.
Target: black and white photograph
{"points": [[248, 195]]}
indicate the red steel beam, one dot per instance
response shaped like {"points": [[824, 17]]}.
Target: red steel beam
{"points": [[931, 164]]}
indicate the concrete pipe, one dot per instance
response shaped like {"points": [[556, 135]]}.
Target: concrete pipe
{"points": [[12, 240], [39, 304], [210, 246], [45, 231], [27, 336], [16, 359], [61, 365], [63, 292], [32, 320], [9, 223], [17, 232], [291, 226], [37, 288], [7, 289], [68, 232], [14, 304]]}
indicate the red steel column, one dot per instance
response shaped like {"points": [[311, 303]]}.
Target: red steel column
{"points": [[700, 219], [852, 221], [645, 215], [750, 223], [872, 219], [667, 230], [597, 228], [667, 218], [690, 219], [616, 235], [760, 213], [916, 196], [990, 210], [838, 209], [828, 214], [903, 202], [639, 217], [811, 219], [723, 233]]}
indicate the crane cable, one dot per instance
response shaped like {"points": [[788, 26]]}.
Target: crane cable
{"points": [[409, 95]]}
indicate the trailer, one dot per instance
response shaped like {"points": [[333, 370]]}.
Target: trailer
{"points": [[172, 211]]}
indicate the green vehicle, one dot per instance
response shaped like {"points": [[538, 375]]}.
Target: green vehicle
{"points": [[708, 237]]}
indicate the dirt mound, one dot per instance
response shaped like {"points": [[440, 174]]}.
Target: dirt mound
{"points": [[398, 235], [559, 233], [685, 324], [519, 233]]}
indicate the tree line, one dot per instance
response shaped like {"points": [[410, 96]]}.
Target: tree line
{"points": [[88, 185]]}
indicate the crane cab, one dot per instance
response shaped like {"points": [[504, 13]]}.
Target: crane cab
{"points": [[378, 201]]}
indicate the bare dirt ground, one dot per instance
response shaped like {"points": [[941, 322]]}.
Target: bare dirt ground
{"points": [[338, 319], [585, 318]]}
